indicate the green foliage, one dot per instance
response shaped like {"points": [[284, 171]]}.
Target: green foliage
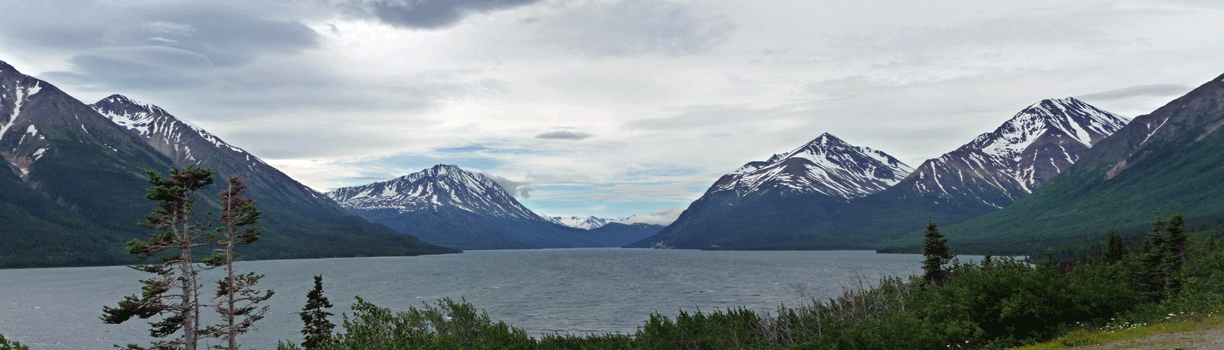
{"points": [[6, 344]]}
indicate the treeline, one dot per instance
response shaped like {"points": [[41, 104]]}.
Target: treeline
{"points": [[993, 304]]}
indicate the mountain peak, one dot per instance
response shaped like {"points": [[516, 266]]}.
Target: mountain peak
{"points": [[1068, 117], [1019, 156], [442, 185], [826, 165], [122, 105], [827, 141]]}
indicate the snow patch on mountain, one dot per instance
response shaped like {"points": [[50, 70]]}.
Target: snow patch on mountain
{"points": [[19, 98], [825, 165]]}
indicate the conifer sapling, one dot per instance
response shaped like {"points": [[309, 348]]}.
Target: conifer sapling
{"points": [[935, 249], [317, 329]]}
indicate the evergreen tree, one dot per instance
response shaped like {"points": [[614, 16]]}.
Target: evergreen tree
{"points": [[236, 296], [935, 249], [175, 290], [1152, 269], [1174, 254], [1115, 248], [318, 329]]}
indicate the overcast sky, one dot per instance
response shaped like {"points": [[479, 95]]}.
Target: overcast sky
{"points": [[605, 108]]}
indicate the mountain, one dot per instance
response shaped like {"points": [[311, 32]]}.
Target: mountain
{"points": [[76, 180], [74, 184], [301, 219], [449, 206], [1167, 161], [1024, 153], [587, 223], [778, 202], [826, 165], [987, 173]]}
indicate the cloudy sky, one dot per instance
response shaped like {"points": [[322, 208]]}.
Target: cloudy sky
{"points": [[607, 108]]}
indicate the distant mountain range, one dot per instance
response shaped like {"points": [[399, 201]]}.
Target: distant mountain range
{"points": [[73, 181], [828, 194], [587, 223], [449, 206], [76, 182]]}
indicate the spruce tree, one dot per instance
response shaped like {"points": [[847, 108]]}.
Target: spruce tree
{"points": [[318, 329], [1115, 248], [1174, 254], [1152, 269], [175, 290], [935, 249], [236, 296]]}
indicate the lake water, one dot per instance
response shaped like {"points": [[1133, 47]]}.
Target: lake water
{"points": [[542, 291]]}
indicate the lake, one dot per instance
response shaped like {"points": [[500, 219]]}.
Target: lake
{"points": [[541, 291]]}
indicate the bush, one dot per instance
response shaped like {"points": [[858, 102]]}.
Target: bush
{"points": [[6, 344]]}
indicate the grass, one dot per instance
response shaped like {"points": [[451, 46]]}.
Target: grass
{"points": [[1126, 331]]}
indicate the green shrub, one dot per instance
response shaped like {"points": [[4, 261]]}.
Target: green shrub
{"points": [[6, 344]]}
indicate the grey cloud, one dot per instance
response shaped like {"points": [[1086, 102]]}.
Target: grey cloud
{"points": [[1134, 91], [225, 37], [82, 37], [516, 188], [636, 27], [564, 135], [433, 14], [146, 67]]}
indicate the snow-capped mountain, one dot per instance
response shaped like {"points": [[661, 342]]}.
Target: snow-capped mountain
{"points": [[73, 176], [848, 196], [1024, 153], [826, 165], [449, 206], [185, 143], [587, 223], [440, 186], [781, 201], [163, 131], [1168, 161]]}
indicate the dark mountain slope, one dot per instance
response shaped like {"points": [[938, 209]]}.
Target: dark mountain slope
{"points": [[74, 184], [300, 221]]}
